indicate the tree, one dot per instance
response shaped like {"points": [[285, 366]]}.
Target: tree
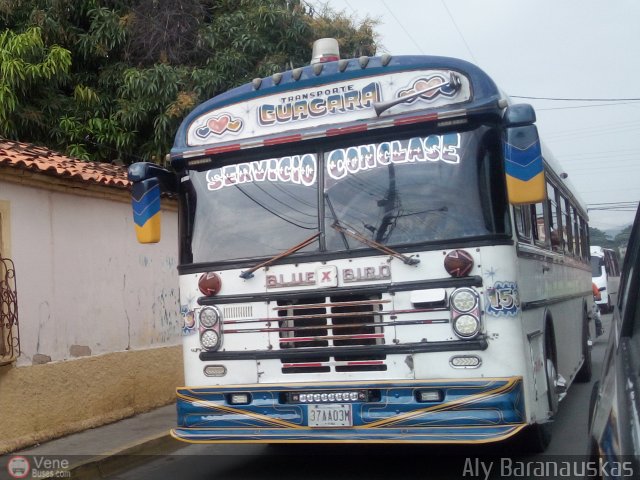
{"points": [[622, 238], [600, 238], [116, 77], [27, 68]]}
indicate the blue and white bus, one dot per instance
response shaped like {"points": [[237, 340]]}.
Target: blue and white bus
{"points": [[374, 249]]}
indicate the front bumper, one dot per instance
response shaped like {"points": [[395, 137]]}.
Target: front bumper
{"points": [[471, 411]]}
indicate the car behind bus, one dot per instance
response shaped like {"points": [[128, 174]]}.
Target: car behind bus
{"points": [[606, 275]]}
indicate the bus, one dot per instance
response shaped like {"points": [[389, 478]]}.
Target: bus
{"points": [[373, 250]]}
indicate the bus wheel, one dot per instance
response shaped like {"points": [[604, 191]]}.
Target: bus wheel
{"points": [[584, 374]]}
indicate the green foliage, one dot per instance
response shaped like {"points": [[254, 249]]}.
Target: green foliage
{"points": [[112, 79], [26, 67], [619, 242]]}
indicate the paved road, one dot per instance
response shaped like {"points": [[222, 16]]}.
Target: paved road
{"points": [[372, 462]]}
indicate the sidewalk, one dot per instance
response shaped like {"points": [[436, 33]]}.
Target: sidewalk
{"points": [[98, 452]]}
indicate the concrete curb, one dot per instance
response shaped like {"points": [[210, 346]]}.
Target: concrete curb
{"points": [[129, 456]]}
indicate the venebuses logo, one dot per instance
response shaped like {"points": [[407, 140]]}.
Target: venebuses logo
{"points": [[18, 467]]}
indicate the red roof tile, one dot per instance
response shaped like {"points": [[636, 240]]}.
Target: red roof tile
{"points": [[39, 159]]}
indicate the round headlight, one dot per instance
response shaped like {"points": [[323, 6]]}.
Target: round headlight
{"points": [[463, 300], [466, 325], [209, 339], [209, 316]]}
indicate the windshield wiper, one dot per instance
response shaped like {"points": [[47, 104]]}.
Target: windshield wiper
{"points": [[373, 244], [249, 273], [454, 83]]}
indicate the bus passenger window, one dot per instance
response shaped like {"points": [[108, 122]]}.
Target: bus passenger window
{"points": [[522, 218], [584, 239], [540, 232], [567, 233], [576, 233], [555, 223]]}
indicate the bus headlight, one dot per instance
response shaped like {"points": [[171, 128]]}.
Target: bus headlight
{"points": [[209, 339], [209, 316], [465, 312], [464, 300], [466, 326]]}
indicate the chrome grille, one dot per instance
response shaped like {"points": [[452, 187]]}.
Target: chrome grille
{"points": [[338, 321]]}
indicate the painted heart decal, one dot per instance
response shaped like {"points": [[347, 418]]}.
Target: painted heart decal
{"points": [[219, 125], [423, 84]]}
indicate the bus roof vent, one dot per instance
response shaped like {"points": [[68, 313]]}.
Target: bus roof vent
{"points": [[325, 50]]}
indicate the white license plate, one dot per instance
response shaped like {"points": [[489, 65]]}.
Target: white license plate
{"points": [[330, 415]]}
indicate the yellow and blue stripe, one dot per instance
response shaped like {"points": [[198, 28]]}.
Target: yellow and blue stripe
{"points": [[145, 200], [524, 168]]}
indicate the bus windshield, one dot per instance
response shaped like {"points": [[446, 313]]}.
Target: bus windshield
{"points": [[418, 189]]}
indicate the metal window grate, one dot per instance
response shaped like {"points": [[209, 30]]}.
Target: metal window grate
{"points": [[9, 335]]}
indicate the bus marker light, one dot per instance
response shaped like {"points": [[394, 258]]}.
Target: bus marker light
{"points": [[429, 395], [458, 263], [325, 50], [465, 361], [210, 284], [215, 370]]}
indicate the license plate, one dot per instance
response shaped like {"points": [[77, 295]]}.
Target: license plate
{"points": [[331, 415]]}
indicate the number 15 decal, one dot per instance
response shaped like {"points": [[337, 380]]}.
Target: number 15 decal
{"points": [[503, 299]]}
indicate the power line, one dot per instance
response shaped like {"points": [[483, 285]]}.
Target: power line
{"points": [[459, 31], [558, 99], [584, 106], [402, 27], [612, 203]]}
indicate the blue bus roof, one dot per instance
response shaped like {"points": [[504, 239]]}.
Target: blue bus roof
{"points": [[229, 119]]}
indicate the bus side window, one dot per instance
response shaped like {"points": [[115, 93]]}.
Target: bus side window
{"points": [[540, 232], [577, 243], [522, 218], [555, 225], [568, 224], [584, 239]]}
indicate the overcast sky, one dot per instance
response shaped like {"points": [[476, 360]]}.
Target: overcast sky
{"points": [[576, 49]]}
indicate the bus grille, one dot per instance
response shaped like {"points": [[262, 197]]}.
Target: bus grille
{"points": [[338, 321]]}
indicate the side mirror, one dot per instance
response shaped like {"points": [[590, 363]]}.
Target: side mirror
{"points": [[519, 115], [145, 201], [149, 180], [524, 167]]}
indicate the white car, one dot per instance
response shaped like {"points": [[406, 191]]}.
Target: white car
{"points": [[605, 273]]}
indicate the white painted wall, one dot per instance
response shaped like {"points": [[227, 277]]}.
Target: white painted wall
{"points": [[83, 279]]}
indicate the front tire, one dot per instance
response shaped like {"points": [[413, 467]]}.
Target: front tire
{"points": [[586, 370]]}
